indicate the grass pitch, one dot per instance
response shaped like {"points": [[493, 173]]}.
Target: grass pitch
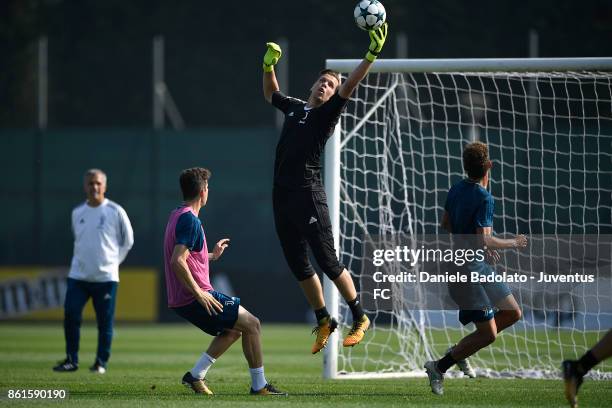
{"points": [[148, 362]]}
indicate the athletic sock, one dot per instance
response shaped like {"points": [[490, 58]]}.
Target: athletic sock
{"points": [[445, 363], [258, 379], [201, 367], [586, 362], [356, 309], [321, 314]]}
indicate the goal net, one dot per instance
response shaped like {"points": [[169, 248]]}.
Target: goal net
{"points": [[396, 152]]}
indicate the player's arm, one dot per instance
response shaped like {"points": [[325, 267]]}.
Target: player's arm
{"points": [[72, 216], [445, 223], [126, 235], [493, 242], [218, 249], [179, 266], [377, 40], [484, 229], [270, 84]]}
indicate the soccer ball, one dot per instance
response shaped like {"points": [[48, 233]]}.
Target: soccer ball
{"points": [[370, 14]]}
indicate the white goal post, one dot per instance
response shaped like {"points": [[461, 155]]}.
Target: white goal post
{"points": [[397, 150]]}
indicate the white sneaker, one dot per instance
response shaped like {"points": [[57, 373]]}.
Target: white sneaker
{"points": [[436, 378], [97, 368], [464, 365]]}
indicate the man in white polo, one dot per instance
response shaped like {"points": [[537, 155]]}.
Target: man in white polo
{"points": [[102, 238]]}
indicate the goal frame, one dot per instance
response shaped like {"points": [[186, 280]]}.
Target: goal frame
{"points": [[334, 145]]}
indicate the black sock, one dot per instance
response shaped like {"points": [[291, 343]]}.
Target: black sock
{"points": [[445, 363], [356, 309], [587, 362], [321, 314]]}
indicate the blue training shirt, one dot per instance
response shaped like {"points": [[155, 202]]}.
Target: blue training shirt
{"points": [[469, 206], [189, 232]]}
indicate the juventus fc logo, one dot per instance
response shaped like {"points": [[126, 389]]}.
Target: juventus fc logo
{"points": [[303, 120], [101, 224]]}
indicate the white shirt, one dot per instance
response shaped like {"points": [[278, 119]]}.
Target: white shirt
{"points": [[102, 238]]}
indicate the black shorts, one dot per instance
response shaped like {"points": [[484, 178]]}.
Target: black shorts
{"points": [[302, 219], [214, 325], [477, 301]]}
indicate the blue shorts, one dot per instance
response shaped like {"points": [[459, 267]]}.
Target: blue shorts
{"points": [[211, 324], [477, 301]]}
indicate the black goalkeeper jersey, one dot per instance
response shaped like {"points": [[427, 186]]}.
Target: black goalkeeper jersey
{"points": [[305, 131]]}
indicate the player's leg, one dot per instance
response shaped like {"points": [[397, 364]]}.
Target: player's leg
{"points": [[483, 318], [361, 322], [328, 261], [296, 254], [220, 326], [499, 293], [196, 377], [250, 327], [601, 351], [76, 297], [485, 334], [509, 312], [222, 342], [463, 364], [295, 249], [346, 286], [575, 370], [320, 239], [316, 227], [313, 291], [104, 296], [474, 307], [326, 324], [227, 327]]}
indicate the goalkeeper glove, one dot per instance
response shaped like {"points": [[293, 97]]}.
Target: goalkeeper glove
{"points": [[377, 40], [273, 54]]}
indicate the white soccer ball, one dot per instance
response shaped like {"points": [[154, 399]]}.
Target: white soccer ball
{"points": [[369, 14]]}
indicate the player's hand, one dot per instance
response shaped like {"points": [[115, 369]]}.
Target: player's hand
{"points": [[219, 248], [273, 54], [377, 40], [492, 256], [208, 302], [520, 241]]}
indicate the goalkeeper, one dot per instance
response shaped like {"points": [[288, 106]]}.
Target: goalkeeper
{"points": [[301, 215]]}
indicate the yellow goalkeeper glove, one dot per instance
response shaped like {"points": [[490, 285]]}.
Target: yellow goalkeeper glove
{"points": [[377, 40], [273, 54]]}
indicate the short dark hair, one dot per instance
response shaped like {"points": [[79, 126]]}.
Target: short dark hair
{"points": [[332, 73], [193, 181], [476, 160]]}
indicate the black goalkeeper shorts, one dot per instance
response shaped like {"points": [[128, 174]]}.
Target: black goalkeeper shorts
{"points": [[302, 220]]}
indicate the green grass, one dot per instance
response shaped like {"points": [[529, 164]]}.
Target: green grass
{"points": [[514, 349], [149, 360]]}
